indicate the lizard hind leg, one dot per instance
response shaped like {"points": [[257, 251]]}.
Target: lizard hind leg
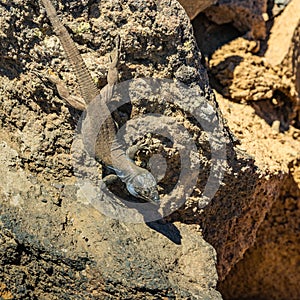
{"points": [[74, 101]]}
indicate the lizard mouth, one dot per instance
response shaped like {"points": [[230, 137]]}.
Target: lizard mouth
{"points": [[153, 198], [143, 186]]}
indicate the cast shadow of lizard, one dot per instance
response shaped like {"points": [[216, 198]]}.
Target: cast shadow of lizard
{"points": [[167, 229]]}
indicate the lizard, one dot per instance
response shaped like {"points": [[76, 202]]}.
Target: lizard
{"points": [[139, 182]]}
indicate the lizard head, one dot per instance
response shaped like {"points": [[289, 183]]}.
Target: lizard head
{"points": [[144, 186]]}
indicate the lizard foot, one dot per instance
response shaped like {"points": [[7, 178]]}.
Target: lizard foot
{"points": [[116, 186], [110, 179]]}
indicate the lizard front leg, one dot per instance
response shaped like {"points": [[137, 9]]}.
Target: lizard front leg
{"points": [[140, 145]]}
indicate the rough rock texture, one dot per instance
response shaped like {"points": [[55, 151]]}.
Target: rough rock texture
{"points": [[244, 15], [244, 72], [270, 269], [55, 245], [263, 79], [193, 8], [244, 76], [282, 37], [273, 74], [283, 48]]}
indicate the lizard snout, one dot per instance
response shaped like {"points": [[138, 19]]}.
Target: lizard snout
{"points": [[144, 186]]}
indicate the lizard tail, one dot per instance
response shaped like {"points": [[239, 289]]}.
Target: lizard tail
{"points": [[87, 86]]}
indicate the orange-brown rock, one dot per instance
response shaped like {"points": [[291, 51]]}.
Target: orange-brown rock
{"points": [[193, 8], [284, 48], [244, 15]]}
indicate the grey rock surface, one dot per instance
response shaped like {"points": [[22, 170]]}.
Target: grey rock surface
{"points": [[55, 245]]}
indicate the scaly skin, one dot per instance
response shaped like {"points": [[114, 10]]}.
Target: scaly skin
{"points": [[139, 182]]}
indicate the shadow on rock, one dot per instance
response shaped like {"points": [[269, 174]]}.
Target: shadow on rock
{"points": [[169, 230]]}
